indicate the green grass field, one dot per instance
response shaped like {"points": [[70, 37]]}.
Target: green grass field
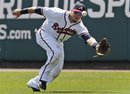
{"points": [[69, 82]]}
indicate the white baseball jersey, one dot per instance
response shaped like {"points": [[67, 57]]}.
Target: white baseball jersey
{"points": [[58, 25], [55, 29]]}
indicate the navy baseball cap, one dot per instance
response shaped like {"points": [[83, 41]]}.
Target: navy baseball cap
{"points": [[79, 6]]}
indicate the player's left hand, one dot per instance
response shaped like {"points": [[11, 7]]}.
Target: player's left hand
{"points": [[103, 48], [16, 12]]}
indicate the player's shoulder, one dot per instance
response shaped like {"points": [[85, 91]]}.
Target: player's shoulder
{"points": [[81, 25], [53, 12], [55, 9], [58, 9]]}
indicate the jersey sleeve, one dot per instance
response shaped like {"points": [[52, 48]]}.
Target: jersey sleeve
{"points": [[51, 12], [81, 29]]}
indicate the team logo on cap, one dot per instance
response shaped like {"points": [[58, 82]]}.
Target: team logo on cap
{"points": [[80, 8]]}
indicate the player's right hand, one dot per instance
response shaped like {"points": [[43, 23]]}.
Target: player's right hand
{"points": [[16, 12]]}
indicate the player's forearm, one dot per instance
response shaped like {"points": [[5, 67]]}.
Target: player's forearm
{"points": [[89, 40], [92, 42], [37, 10], [19, 12], [28, 10]]}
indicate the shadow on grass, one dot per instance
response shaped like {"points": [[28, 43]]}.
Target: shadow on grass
{"points": [[79, 92]]}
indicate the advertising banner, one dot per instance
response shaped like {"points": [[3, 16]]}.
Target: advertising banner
{"points": [[105, 18]]}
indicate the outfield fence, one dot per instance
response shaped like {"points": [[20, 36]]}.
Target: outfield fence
{"points": [[105, 18]]}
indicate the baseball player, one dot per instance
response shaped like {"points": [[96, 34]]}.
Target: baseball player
{"points": [[58, 27]]}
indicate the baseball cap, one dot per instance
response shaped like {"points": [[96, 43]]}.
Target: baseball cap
{"points": [[79, 7]]}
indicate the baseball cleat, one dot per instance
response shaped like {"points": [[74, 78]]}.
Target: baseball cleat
{"points": [[33, 85], [34, 89], [43, 85]]}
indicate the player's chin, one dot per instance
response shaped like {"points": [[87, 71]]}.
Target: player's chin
{"points": [[76, 20]]}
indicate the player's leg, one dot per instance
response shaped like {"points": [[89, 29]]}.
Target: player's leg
{"points": [[54, 50], [50, 44], [54, 64], [50, 72], [57, 68]]}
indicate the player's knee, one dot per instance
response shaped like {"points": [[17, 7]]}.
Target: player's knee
{"points": [[57, 54], [38, 41]]}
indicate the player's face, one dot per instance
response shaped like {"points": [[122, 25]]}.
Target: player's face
{"points": [[76, 16]]}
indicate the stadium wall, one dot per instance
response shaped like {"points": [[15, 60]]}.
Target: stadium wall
{"points": [[108, 19]]}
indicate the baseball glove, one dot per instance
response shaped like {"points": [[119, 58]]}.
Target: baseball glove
{"points": [[103, 48]]}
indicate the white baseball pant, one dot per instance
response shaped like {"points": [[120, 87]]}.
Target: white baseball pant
{"points": [[55, 57]]}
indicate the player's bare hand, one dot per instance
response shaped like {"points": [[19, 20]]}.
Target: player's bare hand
{"points": [[16, 12]]}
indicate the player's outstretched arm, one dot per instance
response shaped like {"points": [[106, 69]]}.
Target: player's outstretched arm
{"points": [[89, 40], [19, 12], [102, 48]]}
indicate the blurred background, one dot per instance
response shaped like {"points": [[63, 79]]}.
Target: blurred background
{"points": [[106, 18]]}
